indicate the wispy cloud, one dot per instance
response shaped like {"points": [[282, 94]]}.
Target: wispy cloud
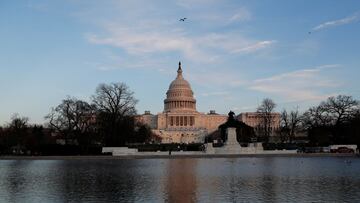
{"points": [[148, 42], [191, 4], [241, 15], [300, 85], [254, 47], [350, 19], [115, 62], [216, 79], [244, 108], [204, 49], [140, 32], [221, 93]]}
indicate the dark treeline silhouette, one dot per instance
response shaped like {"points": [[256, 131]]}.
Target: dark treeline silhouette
{"points": [[19, 136], [334, 121], [78, 127]]}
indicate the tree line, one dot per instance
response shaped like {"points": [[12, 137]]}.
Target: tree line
{"points": [[334, 121], [109, 120]]}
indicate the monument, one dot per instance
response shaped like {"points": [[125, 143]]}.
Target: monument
{"points": [[180, 122], [231, 144], [232, 131]]}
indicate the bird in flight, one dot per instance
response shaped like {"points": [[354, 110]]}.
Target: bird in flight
{"points": [[182, 19]]}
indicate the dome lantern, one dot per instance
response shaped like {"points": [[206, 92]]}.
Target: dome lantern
{"points": [[179, 71]]}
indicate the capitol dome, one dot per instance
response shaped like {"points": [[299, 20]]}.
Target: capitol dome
{"points": [[179, 97]]}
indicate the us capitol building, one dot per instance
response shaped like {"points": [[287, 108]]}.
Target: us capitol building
{"points": [[180, 122]]}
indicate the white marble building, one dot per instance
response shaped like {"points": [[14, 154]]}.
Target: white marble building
{"points": [[180, 122]]}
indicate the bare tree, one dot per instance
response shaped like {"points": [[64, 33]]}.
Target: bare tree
{"points": [[341, 108], [295, 123], [18, 122], [265, 110], [316, 116], [331, 118], [333, 111], [18, 129], [290, 124], [116, 108], [115, 99], [71, 118], [284, 126]]}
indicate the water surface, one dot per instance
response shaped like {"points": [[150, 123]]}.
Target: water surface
{"points": [[267, 179]]}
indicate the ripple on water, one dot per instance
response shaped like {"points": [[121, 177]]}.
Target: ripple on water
{"points": [[267, 179]]}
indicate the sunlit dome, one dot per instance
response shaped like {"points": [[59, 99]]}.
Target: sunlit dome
{"points": [[179, 97]]}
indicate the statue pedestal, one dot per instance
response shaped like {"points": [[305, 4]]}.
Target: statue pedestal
{"points": [[231, 145], [231, 137]]}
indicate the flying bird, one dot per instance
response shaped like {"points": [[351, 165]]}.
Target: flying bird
{"points": [[182, 19]]}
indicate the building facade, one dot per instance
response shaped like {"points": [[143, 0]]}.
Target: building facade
{"points": [[180, 122], [255, 120]]}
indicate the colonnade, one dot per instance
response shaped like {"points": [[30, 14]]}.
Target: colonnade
{"points": [[180, 104], [182, 120]]}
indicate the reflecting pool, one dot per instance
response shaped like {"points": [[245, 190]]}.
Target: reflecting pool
{"points": [[258, 179]]}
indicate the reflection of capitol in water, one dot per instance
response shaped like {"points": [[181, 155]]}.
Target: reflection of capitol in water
{"points": [[180, 122], [181, 183], [245, 179]]}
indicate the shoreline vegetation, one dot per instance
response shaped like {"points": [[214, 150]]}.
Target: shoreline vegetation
{"points": [[181, 156]]}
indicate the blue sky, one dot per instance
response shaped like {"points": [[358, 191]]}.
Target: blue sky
{"points": [[234, 53]]}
